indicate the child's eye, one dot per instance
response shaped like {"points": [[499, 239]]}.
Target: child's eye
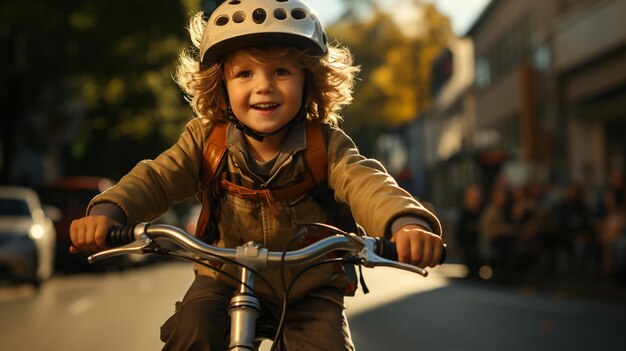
{"points": [[243, 74], [282, 72]]}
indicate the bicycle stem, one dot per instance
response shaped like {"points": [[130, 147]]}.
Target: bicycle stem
{"points": [[244, 309]]}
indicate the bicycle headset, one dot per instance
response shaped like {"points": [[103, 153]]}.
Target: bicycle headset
{"points": [[236, 24]]}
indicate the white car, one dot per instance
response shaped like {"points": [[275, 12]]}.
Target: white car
{"points": [[27, 237]]}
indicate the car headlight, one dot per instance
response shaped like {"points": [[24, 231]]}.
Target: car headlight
{"points": [[36, 231]]}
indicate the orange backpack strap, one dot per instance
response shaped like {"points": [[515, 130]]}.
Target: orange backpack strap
{"points": [[212, 156], [315, 153], [214, 151]]}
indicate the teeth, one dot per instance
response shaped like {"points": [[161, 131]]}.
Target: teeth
{"points": [[265, 105]]}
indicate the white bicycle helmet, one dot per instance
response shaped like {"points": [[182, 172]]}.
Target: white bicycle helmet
{"points": [[239, 23]]}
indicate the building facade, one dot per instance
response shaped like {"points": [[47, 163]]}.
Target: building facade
{"points": [[550, 88]]}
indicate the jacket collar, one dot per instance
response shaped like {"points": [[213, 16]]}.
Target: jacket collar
{"points": [[294, 142]]}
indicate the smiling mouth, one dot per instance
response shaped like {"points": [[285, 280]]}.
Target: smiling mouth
{"points": [[265, 107]]}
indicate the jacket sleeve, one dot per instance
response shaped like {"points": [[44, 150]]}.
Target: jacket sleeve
{"points": [[373, 195], [153, 186]]}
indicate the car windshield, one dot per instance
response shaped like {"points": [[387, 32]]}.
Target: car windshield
{"points": [[14, 207]]}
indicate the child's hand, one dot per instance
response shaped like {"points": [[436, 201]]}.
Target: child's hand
{"points": [[89, 233], [418, 246]]}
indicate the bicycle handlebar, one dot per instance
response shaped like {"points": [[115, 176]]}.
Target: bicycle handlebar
{"points": [[145, 238]]}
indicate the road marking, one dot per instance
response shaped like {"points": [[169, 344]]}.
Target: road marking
{"points": [[80, 306]]}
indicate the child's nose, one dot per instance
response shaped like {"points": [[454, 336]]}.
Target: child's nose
{"points": [[265, 84]]}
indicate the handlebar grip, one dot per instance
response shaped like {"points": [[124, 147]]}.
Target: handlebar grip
{"points": [[387, 249], [121, 235], [444, 254]]}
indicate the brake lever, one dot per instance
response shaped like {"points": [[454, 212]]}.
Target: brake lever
{"points": [[370, 259], [137, 247]]}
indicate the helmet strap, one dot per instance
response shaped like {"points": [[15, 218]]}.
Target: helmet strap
{"points": [[256, 135]]}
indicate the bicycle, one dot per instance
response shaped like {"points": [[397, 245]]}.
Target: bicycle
{"points": [[147, 238]]}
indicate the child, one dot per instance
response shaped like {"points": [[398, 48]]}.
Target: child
{"points": [[265, 69]]}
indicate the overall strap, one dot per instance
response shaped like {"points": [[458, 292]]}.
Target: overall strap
{"points": [[269, 195]]}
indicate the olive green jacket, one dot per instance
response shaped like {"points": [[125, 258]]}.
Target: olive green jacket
{"points": [[374, 197]]}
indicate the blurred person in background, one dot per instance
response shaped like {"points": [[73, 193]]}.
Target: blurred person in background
{"points": [[497, 232], [467, 228], [521, 214], [521, 207], [616, 184], [540, 230], [530, 218], [612, 235], [574, 232], [610, 213]]}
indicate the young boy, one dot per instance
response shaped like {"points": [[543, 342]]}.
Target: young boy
{"points": [[264, 69]]}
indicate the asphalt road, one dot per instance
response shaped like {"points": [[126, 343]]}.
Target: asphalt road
{"points": [[124, 310]]}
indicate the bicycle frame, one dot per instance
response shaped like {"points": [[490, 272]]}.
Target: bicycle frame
{"points": [[245, 307]]}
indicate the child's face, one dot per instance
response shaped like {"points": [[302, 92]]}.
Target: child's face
{"points": [[264, 96]]}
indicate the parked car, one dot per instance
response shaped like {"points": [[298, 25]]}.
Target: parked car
{"points": [[27, 237], [71, 195]]}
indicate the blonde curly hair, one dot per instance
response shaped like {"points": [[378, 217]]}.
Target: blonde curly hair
{"points": [[329, 88]]}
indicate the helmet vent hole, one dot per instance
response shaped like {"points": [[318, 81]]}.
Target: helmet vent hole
{"points": [[280, 14], [221, 21], [239, 17], [234, 2], [258, 16], [298, 14]]}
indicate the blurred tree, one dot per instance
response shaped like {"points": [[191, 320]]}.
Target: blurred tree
{"points": [[92, 80], [395, 62], [369, 41], [88, 83]]}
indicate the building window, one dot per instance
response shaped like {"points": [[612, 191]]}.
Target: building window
{"points": [[483, 74], [506, 53]]}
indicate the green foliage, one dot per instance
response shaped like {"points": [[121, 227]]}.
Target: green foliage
{"points": [[395, 68], [99, 72], [90, 81]]}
